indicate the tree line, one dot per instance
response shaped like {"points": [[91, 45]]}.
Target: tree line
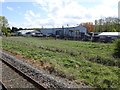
{"points": [[109, 24], [6, 30]]}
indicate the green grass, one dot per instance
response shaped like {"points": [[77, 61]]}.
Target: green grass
{"points": [[91, 63]]}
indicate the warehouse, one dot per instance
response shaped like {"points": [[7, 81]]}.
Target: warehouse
{"points": [[73, 32], [108, 36]]}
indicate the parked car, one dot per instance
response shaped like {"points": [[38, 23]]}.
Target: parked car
{"points": [[38, 35], [95, 38], [105, 39], [47, 35], [28, 34]]}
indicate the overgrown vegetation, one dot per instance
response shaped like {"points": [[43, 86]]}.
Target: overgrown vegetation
{"points": [[91, 63], [117, 48]]}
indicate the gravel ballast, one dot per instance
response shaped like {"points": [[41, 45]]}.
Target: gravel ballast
{"points": [[45, 79], [12, 79]]}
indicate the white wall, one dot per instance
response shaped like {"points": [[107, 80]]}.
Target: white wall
{"points": [[23, 32]]}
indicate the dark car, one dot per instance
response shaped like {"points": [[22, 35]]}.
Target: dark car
{"points": [[105, 39]]}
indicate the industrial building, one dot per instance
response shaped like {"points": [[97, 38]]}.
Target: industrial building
{"points": [[73, 32]]}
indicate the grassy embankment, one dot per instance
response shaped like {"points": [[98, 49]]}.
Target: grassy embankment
{"points": [[91, 63]]}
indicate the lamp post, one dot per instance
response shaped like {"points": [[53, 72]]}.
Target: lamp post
{"points": [[53, 33], [63, 31], [67, 30]]}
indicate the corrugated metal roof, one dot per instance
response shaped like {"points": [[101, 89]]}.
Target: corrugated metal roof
{"points": [[109, 34], [25, 31]]}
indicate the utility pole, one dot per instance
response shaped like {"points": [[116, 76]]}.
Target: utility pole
{"points": [[119, 9]]}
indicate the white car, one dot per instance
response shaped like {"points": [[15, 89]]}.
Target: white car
{"points": [[38, 35]]}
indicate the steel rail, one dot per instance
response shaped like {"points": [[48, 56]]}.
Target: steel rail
{"points": [[35, 83], [3, 87]]}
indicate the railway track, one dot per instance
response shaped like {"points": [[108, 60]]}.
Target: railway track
{"points": [[38, 77], [18, 78], [2, 87]]}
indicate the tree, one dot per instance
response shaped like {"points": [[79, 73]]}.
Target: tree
{"points": [[14, 29], [89, 26], [96, 26], [109, 24], [4, 25], [3, 22], [100, 25], [5, 31]]}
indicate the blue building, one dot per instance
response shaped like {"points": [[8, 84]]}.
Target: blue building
{"points": [[73, 32]]}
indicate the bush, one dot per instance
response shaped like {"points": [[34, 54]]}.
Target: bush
{"points": [[5, 31], [117, 48]]}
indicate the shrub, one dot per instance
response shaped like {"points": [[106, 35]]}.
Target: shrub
{"points": [[117, 48]]}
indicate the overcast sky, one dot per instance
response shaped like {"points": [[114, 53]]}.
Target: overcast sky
{"points": [[55, 13]]}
